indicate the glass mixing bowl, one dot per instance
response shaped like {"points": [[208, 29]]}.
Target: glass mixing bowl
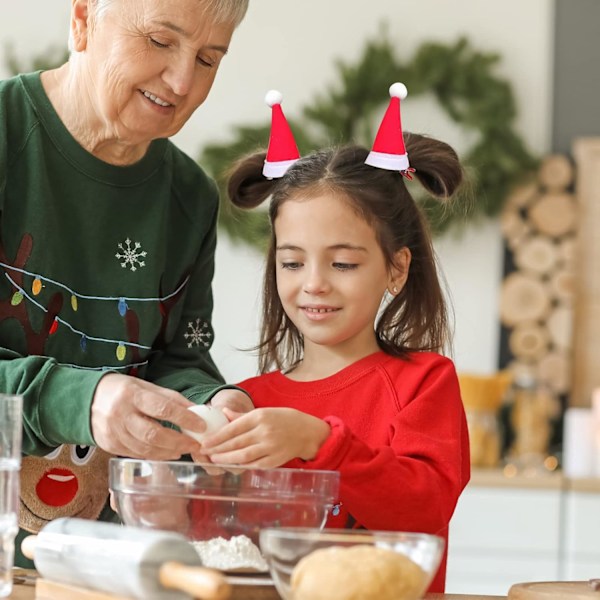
{"points": [[214, 504]]}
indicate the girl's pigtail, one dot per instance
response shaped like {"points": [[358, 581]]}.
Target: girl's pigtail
{"points": [[247, 186], [436, 164]]}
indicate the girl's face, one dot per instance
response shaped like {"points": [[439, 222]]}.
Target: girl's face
{"points": [[151, 63], [331, 273]]}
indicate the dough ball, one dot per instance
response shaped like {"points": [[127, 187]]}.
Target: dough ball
{"points": [[213, 417], [360, 572]]}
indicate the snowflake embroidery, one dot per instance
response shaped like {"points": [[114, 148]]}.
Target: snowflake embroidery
{"points": [[130, 255], [198, 334]]}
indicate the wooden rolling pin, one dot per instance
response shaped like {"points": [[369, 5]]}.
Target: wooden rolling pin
{"points": [[126, 561]]}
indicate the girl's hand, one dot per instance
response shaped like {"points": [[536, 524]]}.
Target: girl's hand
{"points": [[266, 438], [235, 400], [239, 403], [124, 418]]}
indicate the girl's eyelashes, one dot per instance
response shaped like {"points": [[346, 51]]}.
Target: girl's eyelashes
{"points": [[292, 266], [345, 266]]}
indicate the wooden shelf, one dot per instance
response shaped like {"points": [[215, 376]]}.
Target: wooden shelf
{"points": [[498, 478]]}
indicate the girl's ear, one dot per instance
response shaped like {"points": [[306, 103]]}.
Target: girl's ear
{"points": [[399, 271], [79, 24]]}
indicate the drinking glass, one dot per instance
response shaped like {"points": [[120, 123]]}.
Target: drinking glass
{"points": [[11, 426]]}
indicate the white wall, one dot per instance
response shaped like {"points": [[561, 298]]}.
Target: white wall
{"points": [[293, 46]]}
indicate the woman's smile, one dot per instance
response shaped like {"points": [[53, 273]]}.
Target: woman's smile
{"points": [[156, 99]]}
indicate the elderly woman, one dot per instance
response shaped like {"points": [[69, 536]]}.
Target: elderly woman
{"points": [[107, 239]]}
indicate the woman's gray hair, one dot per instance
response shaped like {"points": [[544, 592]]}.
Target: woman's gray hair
{"points": [[223, 11]]}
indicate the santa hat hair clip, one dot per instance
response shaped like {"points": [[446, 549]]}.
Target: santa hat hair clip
{"points": [[388, 150], [282, 152]]}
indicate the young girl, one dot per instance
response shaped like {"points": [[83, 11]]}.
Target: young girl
{"points": [[353, 318]]}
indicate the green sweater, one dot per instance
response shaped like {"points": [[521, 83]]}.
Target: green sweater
{"points": [[102, 268]]}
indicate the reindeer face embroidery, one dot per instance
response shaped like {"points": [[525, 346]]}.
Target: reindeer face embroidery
{"points": [[71, 481]]}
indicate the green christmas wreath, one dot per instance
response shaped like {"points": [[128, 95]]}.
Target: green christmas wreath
{"points": [[465, 86], [461, 78]]}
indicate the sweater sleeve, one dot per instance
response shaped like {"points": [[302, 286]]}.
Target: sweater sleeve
{"points": [[56, 400], [413, 483]]}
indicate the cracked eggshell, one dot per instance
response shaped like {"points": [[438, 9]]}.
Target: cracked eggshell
{"points": [[213, 417]]}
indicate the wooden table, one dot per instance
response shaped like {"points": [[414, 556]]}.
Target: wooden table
{"points": [[27, 592]]}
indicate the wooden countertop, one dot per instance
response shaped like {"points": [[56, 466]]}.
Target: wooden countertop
{"points": [[26, 591]]}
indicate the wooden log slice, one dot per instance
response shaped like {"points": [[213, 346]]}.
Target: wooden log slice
{"points": [[522, 195], [554, 370], [567, 252], [523, 298], [514, 228], [538, 254], [556, 173], [562, 286], [560, 327], [529, 341], [554, 214]]}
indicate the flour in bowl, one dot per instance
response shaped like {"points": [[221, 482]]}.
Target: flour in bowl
{"points": [[237, 553]]}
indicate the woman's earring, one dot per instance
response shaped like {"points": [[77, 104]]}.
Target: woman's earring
{"points": [[394, 290]]}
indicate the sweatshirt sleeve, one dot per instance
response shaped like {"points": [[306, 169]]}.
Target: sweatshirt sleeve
{"points": [[414, 483], [56, 400]]}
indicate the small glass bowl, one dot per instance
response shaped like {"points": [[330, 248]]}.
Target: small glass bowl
{"points": [[285, 547]]}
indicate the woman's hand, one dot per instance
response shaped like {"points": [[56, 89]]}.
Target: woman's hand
{"points": [[125, 414], [266, 438]]}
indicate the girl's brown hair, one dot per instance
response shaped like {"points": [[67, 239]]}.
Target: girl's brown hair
{"points": [[414, 320]]}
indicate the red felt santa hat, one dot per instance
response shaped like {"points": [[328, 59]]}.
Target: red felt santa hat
{"points": [[388, 150], [283, 151]]}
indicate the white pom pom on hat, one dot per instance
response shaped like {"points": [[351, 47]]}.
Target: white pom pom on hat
{"points": [[388, 150], [273, 97], [398, 90], [282, 152]]}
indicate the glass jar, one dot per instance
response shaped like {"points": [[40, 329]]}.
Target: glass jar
{"points": [[484, 437], [530, 420], [482, 396]]}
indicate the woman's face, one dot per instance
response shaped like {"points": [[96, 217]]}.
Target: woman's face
{"points": [[150, 64]]}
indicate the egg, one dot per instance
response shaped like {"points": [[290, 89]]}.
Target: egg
{"points": [[213, 417]]}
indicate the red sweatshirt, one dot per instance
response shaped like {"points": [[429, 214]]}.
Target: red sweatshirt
{"points": [[398, 438]]}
